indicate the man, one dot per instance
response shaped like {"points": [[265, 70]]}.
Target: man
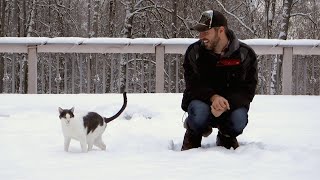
{"points": [[221, 78]]}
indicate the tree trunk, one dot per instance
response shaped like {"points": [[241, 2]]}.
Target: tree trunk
{"points": [[127, 33], [316, 16], [277, 63], [95, 33], [89, 18], [31, 19], [2, 17], [95, 29], [174, 19], [112, 14], [110, 33], [2, 34], [287, 6], [270, 7], [24, 19], [15, 16]]}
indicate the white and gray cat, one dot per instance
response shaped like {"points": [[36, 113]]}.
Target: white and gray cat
{"points": [[87, 128]]}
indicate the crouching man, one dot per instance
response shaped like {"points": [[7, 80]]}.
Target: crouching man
{"points": [[221, 77]]}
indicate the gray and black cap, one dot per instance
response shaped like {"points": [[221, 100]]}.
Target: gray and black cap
{"points": [[210, 19]]}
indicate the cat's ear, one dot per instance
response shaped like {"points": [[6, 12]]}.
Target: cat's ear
{"points": [[60, 110], [72, 109]]}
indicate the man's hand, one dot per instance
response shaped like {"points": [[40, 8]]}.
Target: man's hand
{"points": [[216, 113], [219, 105]]}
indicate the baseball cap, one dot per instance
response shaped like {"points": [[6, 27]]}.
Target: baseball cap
{"points": [[210, 19]]}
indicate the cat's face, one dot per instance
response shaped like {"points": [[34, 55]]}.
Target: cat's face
{"points": [[66, 114]]}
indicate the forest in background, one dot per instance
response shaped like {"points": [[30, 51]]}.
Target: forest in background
{"points": [[99, 73]]}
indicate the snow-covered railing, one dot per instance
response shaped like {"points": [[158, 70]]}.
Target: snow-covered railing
{"points": [[158, 46]]}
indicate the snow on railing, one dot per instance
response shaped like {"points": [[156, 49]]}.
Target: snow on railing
{"points": [[159, 46], [76, 44]]}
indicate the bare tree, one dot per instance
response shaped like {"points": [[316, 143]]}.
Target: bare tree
{"points": [[270, 8], [95, 22], [286, 14], [112, 15], [174, 18], [283, 34], [31, 20], [2, 34]]}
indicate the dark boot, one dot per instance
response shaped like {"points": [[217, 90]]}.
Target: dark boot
{"points": [[191, 140], [206, 132], [226, 141]]}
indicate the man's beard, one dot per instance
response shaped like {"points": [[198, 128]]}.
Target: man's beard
{"points": [[212, 44]]}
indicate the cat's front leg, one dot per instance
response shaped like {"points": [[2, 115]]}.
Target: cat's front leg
{"points": [[90, 145], [67, 141]]}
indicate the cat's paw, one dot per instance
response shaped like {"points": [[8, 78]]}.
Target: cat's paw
{"points": [[84, 150], [103, 147]]}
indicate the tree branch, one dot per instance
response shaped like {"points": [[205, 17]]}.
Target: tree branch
{"points": [[237, 7], [162, 24], [170, 11], [304, 15], [138, 3], [294, 2], [231, 14], [141, 9]]}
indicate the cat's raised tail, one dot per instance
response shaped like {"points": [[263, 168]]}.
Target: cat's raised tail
{"points": [[120, 111]]}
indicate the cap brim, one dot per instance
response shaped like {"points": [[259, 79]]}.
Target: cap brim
{"points": [[200, 27]]}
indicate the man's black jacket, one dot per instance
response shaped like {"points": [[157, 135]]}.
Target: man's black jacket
{"points": [[232, 75]]}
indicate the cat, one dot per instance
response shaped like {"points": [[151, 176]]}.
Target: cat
{"points": [[87, 129]]}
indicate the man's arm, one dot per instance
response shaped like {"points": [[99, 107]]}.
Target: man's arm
{"points": [[194, 86], [243, 93]]}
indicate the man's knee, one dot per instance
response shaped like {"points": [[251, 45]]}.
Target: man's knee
{"points": [[197, 107], [238, 120], [198, 115]]}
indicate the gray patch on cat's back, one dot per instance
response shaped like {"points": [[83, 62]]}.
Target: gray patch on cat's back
{"points": [[91, 121]]}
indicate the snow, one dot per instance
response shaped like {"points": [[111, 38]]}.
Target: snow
{"points": [[153, 41], [112, 41], [284, 43], [63, 40], [23, 40], [180, 41], [280, 141], [144, 41]]}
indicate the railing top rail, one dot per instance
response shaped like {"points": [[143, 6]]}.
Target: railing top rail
{"points": [[144, 45], [147, 41], [283, 43]]}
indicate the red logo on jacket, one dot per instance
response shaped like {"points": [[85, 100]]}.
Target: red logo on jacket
{"points": [[228, 62]]}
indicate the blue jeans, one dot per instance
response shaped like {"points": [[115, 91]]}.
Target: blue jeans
{"points": [[229, 123]]}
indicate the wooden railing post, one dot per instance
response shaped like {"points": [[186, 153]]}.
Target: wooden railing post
{"points": [[287, 71], [160, 50], [32, 70]]}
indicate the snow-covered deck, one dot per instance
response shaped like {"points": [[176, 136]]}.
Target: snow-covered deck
{"points": [[281, 141]]}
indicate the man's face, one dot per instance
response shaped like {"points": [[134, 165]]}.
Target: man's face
{"points": [[210, 38]]}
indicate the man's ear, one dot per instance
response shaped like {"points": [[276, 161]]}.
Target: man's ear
{"points": [[222, 29]]}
